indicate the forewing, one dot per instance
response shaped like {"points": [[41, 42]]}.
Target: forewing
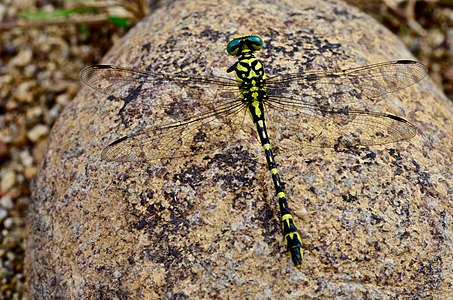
{"points": [[180, 115], [347, 86], [121, 82]]}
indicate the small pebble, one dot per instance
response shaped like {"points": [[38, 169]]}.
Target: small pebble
{"points": [[26, 158], [19, 138], [52, 114], [37, 132], [11, 245], [23, 93], [8, 223], [23, 58], [30, 70], [63, 99], [8, 181], [2, 11], [39, 151], [30, 172], [3, 214], [34, 112], [6, 202]]}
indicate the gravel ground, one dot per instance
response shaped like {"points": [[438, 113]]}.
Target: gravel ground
{"points": [[39, 74]]}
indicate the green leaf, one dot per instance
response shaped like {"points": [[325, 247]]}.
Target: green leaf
{"points": [[57, 13], [119, 21]]}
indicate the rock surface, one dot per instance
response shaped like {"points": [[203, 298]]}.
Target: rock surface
{"points": [[373, 222]]}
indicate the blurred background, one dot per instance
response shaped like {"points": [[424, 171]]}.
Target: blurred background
{"points": [[45, 44]]}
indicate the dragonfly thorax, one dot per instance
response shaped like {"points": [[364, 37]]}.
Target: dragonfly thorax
{"points": [[250, 77]]}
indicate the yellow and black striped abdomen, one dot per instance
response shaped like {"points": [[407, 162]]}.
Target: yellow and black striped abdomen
{"points": [[251, 79]]}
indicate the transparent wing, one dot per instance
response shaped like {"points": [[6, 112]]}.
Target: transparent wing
{"points": [[121, 82], [190, 114], [303, 124], [200, 134], [347, 86]]}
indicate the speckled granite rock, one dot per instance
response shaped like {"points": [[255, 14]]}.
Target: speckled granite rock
{"points": [[374, 221]]}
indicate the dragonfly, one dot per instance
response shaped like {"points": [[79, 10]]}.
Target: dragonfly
{"points": [[193, 114]]}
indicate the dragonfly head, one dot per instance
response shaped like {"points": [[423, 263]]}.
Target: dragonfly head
{"points": [[243, 44]]}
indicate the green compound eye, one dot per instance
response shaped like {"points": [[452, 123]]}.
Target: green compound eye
{"points": [[233, 46], [256, 42], [247, 42]]}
